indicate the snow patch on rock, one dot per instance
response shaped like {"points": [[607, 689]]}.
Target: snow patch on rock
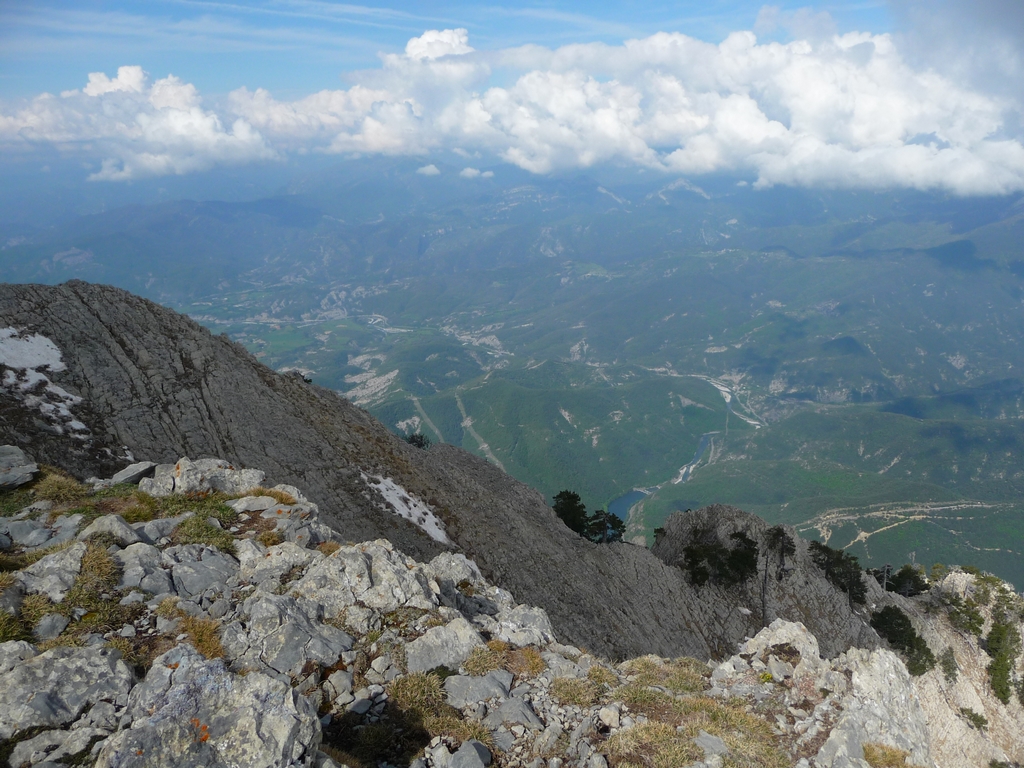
{"points": [[28, 357], [408, 506]]}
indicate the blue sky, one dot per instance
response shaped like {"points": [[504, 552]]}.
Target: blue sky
{"points": [[294, 47], [873, 94]]}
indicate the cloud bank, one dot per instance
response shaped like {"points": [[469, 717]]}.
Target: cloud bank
{"points": [[836, 111]]}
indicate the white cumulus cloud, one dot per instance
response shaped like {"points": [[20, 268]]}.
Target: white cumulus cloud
{"points": [[428, 170], [828, 110], [135, 128]]}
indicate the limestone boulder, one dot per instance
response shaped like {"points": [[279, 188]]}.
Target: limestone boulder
{"points": [[54, 574], [192, 711], [54, 688], [446, 646], [372, 574]]}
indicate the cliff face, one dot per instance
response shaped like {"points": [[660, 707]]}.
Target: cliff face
{"points": [[94, 375]]}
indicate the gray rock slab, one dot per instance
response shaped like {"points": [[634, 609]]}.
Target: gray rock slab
{"points": [[559, 666], [472, 754], [373, 573], [141, 566], [712, 745], [50, 626], [283, 634], [154, 530], [16, 468], [13, 653], [27, 532], [251, 503], [54, 574], [54, 746], [446, 646], [525, 625], [191, 711], [196, 568], [512, 712], [53, 688], [463, 690], [133, 473], [113, 525], [259, 563]]}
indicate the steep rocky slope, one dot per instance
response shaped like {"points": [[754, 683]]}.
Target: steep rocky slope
{"points": [[217, 623], [93, 376]]}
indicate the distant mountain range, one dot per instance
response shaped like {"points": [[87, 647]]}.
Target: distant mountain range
{"points": [[846, 362]]}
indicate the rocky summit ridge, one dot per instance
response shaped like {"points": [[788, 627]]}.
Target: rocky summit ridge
{"points": [[189, 615], [94, 376]]}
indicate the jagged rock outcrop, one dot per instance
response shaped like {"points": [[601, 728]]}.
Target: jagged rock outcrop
{"points": [[95, 378], [795, 588], [283, 653]]}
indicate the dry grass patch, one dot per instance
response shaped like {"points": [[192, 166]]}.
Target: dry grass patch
{"points": [[127, 649], [168, 609], [12, 628], [487, 658], [270, 538], [197, 530], [204, 635], [882, 756], [525, 662], [36, 606], [58, 487], [417, 711], [602, 676], [749, 738], [497, 654], [652, 745], [6, 580], [328, 547], [684, 675], [570, 690]]}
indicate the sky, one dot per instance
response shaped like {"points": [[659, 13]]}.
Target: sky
{"points": [[874, 94]]}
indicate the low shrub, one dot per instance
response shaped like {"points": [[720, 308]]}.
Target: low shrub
{"points": [[894, 625], [976, 720], [1002, 644], [707, 559], [947, 660]]}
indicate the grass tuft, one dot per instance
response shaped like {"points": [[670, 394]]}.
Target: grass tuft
{"points": [[270, 538], [602, 676], [569, 690], [525, 662], [197, 530], [204, 634], [59, 487], [653, 745], [487, 658], [882, 756], [12, 628]]}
